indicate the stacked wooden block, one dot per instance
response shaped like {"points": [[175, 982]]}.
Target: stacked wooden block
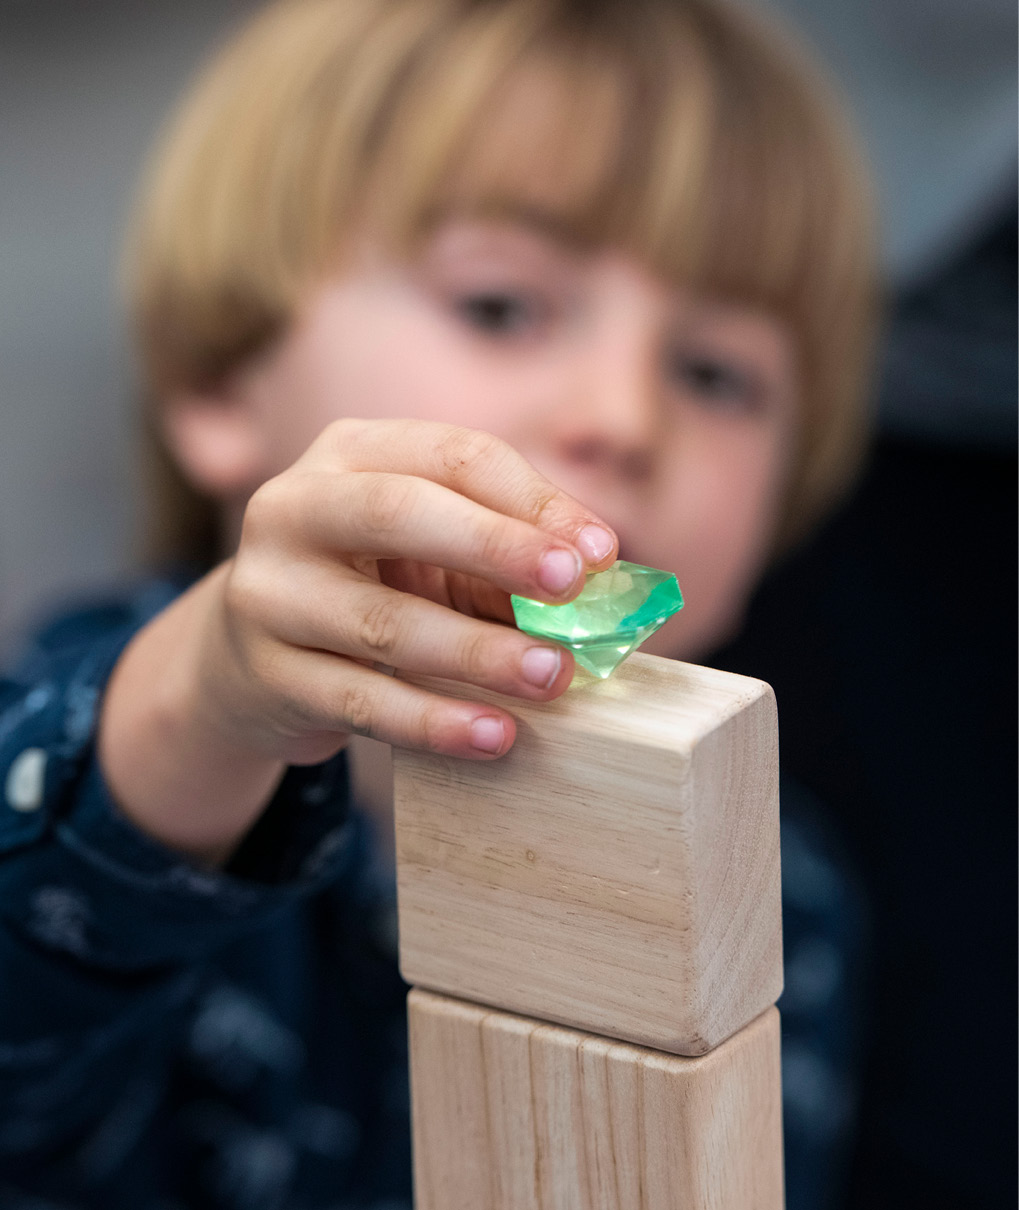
{"points": [[596, 918]]}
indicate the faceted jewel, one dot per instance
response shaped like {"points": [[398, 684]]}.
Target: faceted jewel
{"points": [[616, 611]]}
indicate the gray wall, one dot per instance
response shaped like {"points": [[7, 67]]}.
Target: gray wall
{"points": [[83, 87], [932, 84]]}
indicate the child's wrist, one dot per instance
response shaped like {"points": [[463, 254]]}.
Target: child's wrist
{"points": [[174, 769]]}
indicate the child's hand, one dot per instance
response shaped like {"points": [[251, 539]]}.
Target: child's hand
{"points": [[387, 542]]}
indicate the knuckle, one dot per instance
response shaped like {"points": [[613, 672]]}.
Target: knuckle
{"points": [[541, 502], [432, 732], [476, 657], [357, 709], [387, 503], [275, 695], [271, 671], [461, 447], [492, 544], [243, 595], [277, 505], [380, 628], [341, 437], [260, 509], [341, 430]]}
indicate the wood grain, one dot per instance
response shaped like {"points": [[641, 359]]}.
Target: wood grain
{"points": [[617, 871], [513, 1114]]}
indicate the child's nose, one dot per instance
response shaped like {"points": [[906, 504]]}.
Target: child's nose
{"points": [[610, 419]]}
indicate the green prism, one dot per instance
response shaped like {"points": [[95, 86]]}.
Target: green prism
{"points": [[616, 611]]}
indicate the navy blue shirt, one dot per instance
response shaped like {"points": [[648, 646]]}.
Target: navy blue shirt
{"points": [[173, 1037]]}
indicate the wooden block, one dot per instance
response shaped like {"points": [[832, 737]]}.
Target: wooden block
{"points": [[617, 871], [512, 1114]]}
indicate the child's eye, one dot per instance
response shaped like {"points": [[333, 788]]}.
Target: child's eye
{"points": [[496, 312], [717, 381]]}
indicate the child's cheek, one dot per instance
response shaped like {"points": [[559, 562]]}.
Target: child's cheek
{"points": [[715, 530]]}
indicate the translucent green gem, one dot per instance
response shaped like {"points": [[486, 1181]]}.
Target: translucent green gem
{"points": [[616, 611]]}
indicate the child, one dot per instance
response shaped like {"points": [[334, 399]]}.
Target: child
{"points": [[438, 300]]}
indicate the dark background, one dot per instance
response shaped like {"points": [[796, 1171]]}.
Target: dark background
{"points": [[890, 641]]}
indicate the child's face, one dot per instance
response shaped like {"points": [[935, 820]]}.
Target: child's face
{"points": [[671, 417]]}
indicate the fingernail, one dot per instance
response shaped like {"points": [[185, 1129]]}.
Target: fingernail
{"points": [[488, 734], [595, 542], [558, 570], [540, 666]]}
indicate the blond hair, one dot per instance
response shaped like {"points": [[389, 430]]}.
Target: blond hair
{"points": [[686, 131]]}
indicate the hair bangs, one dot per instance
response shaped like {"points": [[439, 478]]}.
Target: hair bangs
{"points": [[568, 119]]}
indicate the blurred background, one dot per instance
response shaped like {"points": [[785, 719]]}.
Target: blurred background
{"points": [[890, 639]]}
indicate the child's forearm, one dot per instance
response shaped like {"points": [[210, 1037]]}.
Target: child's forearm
{"points": [[173, 767]]}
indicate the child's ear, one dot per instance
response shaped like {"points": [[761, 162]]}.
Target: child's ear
{"points": [[217, 441]]}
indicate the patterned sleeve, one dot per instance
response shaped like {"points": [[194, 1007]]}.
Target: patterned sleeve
{"points": [[101, 928]]}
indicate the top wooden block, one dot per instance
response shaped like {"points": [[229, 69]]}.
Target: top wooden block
{"points": [[617, 871]]}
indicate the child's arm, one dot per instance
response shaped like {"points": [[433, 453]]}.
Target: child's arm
{"points": [[387, 542], [107, 939]]}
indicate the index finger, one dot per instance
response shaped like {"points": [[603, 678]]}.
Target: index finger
{"points": [[481, 467]]}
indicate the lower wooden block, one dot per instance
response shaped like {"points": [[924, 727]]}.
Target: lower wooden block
{"points": [[514, 1114]]}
